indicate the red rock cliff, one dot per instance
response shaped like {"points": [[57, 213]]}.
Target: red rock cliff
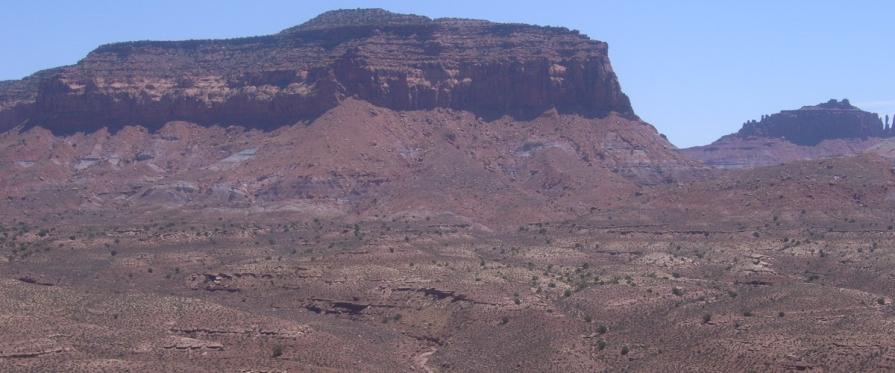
{"points": [[397, 61]]}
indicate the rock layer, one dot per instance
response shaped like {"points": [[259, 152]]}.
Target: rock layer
{"points": [[402, 62]]}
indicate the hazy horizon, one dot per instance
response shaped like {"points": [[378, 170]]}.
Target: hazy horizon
{"points": [[696, 70]]}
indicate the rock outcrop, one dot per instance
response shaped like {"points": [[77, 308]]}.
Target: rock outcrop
{"points": [[402, 62], [361, 112], [831, 129], [810, 125]]}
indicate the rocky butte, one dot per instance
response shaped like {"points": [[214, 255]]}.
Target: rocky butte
{"points": [[355, 111], [833, 128], [401, 62]]}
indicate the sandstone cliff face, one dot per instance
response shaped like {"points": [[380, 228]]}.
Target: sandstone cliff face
{"points": [[396, 61], [831, 129]]}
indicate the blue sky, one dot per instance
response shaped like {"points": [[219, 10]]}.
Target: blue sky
{"points": [[694, 69]]}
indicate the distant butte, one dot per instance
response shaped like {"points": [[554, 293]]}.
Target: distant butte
{"points": [[810, 125], [830, 129]]}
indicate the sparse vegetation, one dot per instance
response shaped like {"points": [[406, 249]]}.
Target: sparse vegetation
{"points": [[277, 351]]}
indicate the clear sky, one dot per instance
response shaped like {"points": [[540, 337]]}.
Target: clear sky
{"points": [[694, 69]]}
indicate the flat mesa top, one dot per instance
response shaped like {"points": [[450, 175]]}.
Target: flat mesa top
{"points": [[359, 17]]}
